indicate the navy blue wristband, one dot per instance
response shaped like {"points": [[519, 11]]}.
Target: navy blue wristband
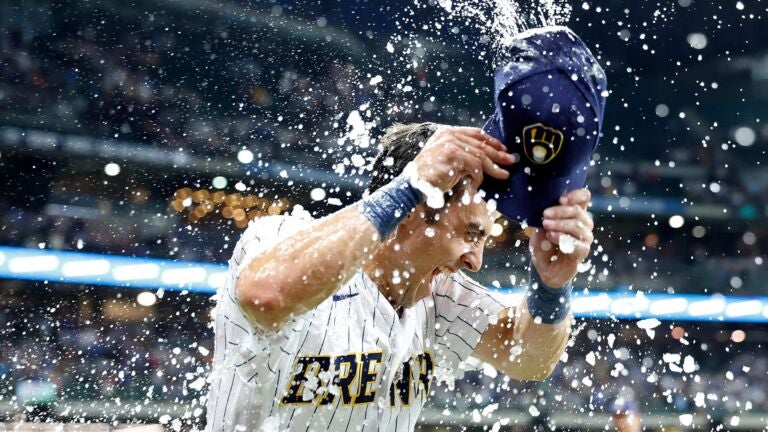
{"points": [[550, 304], [390, 204]]}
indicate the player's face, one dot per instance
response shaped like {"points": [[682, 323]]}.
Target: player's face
{"points": [[464, 231], [457, 243]]}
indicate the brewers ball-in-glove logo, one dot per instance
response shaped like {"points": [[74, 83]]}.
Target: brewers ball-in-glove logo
{"points": [[541, 143]]}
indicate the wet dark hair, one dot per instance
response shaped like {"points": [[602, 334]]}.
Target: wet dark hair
{"points": [[399, 145]]}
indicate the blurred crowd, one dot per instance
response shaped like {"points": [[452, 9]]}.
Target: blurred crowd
{"points": [[41, 229], [99, 345], [125, 87], [135, 86], [81, 80], [75, 82], [91, 347], [699, 176], [712, 375]]}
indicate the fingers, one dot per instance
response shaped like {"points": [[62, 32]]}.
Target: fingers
{"points": [[580, 197], [489, 157], [581, 247], [554, 237], [571, 218], [485, 163], [563, 212], [573, 227], [492, 169], [478, 138], [454, 152], [469, 163], [479, 135], [495, 155]]}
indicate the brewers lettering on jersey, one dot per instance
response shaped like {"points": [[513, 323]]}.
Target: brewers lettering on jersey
{"points": [[346, 322]]}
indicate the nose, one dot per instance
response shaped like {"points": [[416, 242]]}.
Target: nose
{"points": [[473, 259]]}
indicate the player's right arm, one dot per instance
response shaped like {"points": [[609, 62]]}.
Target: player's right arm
{"points": [[303, 270]]}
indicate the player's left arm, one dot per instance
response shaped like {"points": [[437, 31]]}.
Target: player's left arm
{"points": [[525, 346]]}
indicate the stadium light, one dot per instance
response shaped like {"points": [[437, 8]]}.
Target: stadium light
{"points": [[744, 308], [183, 276], [629, 306], [245, 156], [668, 306], [707, 307], [216, 280], [146, 298], [136, 272], [95, 267], [591, 304], [33, 264], [112, 169]]}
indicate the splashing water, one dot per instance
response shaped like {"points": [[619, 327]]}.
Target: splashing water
{"points": [[502, 20]]}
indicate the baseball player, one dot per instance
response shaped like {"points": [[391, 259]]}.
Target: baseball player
{"points": [[345, 322]]}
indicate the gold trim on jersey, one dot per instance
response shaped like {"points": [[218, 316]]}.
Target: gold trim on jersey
{"points": [[367, 385]]}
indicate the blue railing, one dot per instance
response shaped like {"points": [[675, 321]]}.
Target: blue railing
{"points": [[205, 278]]}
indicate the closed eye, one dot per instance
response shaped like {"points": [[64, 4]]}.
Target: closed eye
{"points": [[475, 233], [475, 237]]}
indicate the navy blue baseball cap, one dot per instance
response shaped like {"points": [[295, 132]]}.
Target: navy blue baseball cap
{"points": [[549, 97]]}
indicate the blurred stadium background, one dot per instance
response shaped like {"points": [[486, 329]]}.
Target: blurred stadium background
{"points": [[137, 139]]}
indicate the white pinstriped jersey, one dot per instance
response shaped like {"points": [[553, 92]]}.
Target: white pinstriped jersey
{"points": [[334, 367]]}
